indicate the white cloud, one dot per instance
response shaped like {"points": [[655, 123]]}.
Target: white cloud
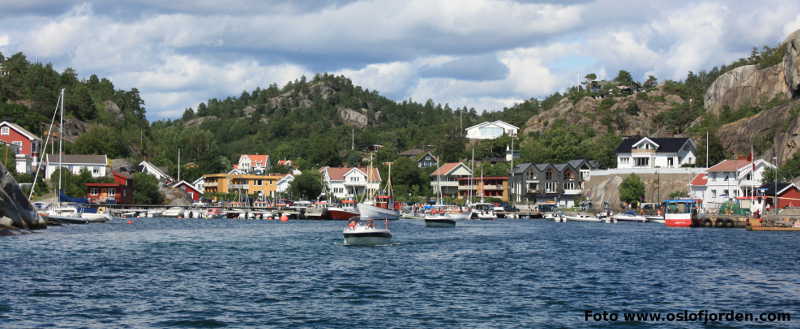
{"points": [[181, 52]]}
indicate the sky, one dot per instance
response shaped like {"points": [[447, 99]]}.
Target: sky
{"points": [[483, 54]]}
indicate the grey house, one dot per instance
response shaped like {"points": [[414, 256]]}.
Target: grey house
{"points": [[547, 183]]}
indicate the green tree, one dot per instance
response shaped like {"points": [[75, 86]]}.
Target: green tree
{"points": [[307, 185], [632, 189], [145, 189], [624, 78]]}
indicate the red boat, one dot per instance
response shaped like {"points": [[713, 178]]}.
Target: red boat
{"points": [[338, 213], [680, 213]]}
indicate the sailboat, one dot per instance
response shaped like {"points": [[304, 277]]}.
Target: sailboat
{"points": [[438, 216], [68, 214], [381, 206], [483, 210]]}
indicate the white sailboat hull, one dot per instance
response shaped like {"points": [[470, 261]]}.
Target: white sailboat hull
{"points": [[368, 211]]}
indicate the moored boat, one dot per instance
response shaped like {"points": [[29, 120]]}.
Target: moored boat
{"points": [[439, 221], [582, 218], [680, 213], [630, 216], [360, 233], [341, 213]]}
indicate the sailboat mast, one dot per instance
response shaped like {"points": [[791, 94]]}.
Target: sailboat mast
{"points": [[60, 147]]}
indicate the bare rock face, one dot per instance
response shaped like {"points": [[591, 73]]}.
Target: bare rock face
{"points": [[791, 62], [746, 85], [779, 125], [249, 110], [113, 109], [196, 122], [352, 118]]}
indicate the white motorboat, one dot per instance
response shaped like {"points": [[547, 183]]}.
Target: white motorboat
{"points": [[173, 212], [630, 216], [439, 220], [360, 233], [655, 219], [582, 218], [483, 211], [369, 211]]}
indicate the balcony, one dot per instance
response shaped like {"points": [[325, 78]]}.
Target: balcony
{"points": [[493, 187], [643, 152], [215, 184], [444, 183], [466, 187], [238, 186], [573, 192]]}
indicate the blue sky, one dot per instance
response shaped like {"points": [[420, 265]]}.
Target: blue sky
{"points": [[485, 54]]}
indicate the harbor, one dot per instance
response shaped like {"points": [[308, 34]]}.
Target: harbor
{"points": [[160, 272]]}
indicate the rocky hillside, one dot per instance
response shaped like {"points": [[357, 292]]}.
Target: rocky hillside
{"points": [[750, 102]]}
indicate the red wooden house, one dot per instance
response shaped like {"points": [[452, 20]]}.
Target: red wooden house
{"points": [[28, 144], [118, 192], [190, 189]]}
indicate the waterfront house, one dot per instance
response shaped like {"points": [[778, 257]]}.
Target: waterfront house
{"points": [[447, 178], [198, 183], [480, 188], [728, 180], [350, 182], [96, 165], [546, 183], [651, 152], [192, 191], [159, 173], [491, 130], [26, 145], [284, 183], [698, 186], [118, 192], [254, 163], [788, 194], [261, 186]]}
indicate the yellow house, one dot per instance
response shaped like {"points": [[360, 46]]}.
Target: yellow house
{"points": [[263, 185]]}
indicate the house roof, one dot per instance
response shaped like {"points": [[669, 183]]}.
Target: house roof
{"points": [[338, 173], [20, 130], [666, 144], [501, 123], [258, 158], [183, 182], [446, 168], [78, 159], [700, 180], [521, 168], [155, 168], [422, 155], [729, 165], [769, 189]]}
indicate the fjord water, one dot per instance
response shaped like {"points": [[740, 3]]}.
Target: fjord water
{"points": [[168, 273]]}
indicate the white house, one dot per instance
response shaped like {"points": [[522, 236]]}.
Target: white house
{"points": [[155, 171], [283, 183], [727, 180], [254, 163], [96, 165], [491, 130], [648, 152], [345, 183], [446, 178], [199, 184]]}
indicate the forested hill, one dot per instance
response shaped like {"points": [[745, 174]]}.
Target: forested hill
{"points": [[94, 109]]}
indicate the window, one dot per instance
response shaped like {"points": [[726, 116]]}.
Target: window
{"points": [[713, 193], [549, 175], [4, 131], [642, 162], [726, 193], [111, 192], [96, 171], [94, 191], [624, 160], [259, 182], [19, 146], [726, 178], [670, 162]]}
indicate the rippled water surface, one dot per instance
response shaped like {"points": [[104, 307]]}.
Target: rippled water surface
{"points": [[168, 273]]}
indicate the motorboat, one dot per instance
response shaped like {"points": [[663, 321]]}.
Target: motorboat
{"points": [[95, 215], [655, 219], [483, 211], [214, 213], [582, 218], [630, 216], [439, 220], [364, 233], [378, 210], [172, 212]]}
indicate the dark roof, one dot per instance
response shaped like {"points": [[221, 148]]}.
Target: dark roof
{"points": [[412, 152], [520, 168], [78, 158], [666, 144], [770, 188]]}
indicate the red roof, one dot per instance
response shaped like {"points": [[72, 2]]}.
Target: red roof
{"points": [[699, 180], [102, 184], [729, 165], [445, 169], [338, 173], [258, 158]]}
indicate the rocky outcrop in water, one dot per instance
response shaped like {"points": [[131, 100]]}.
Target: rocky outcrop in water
{"points": [[16, 210]]}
